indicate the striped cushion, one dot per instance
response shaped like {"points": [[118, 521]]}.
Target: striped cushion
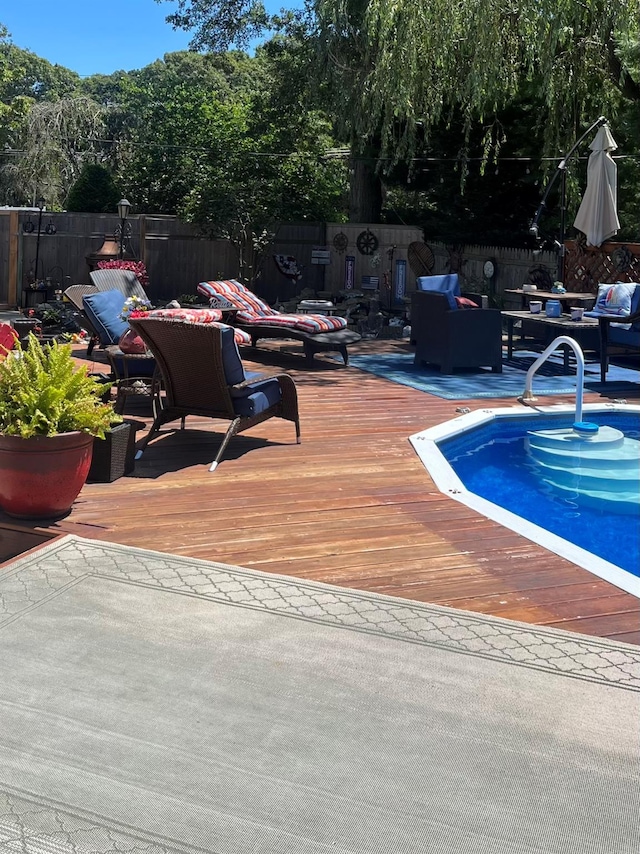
{"points": [[189, 315], [311, 323], [255, 311], [240, 336], [200, 315], [236, 293]]}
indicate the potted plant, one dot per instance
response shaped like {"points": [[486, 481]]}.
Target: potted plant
{"points": [[50, 412]]}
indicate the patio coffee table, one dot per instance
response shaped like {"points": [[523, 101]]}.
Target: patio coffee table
{"points": [[569, 298], [536, 331]]}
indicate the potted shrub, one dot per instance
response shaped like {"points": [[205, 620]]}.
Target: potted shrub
{"points": [[50, 412]]}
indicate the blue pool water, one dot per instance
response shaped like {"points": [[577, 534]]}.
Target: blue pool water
{"points": [[492, 462]]}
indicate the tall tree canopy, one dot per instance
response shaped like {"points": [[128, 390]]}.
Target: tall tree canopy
{"points": [[398, 69]]}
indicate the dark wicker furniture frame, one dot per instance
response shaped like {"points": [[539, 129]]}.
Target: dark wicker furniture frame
{"points": [[455, 338], [327, 342], [74, 294], [619, 347], [189, 356]]}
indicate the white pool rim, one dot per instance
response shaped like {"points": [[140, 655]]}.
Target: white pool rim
{"points": [[425, 444]]}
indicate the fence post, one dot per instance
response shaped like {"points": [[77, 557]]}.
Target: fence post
{"points": [[142, 237], [14, 254]]}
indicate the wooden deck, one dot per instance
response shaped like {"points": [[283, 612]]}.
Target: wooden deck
{"points": [[352, 505]]}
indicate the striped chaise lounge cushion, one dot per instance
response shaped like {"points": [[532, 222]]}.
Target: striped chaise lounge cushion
{"points": [[252, 310], [200, 315]]}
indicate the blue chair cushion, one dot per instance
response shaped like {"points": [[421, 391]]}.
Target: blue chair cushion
{"points": [[447, 284], [624, 335], [135, 368], [252, 399], [103, 310], [231, 361], [256, 398]]}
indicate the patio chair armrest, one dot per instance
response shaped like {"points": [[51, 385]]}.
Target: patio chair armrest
{"points": [[288, 391], [247, 383], [606, 319], [289, 396]]}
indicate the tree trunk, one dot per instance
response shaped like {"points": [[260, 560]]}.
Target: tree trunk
{"points": [[365, 191]]}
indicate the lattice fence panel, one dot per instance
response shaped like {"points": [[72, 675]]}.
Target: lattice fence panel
{"points": [[588, 266]]}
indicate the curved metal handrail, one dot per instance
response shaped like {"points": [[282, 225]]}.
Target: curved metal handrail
{"points": [[527, 395]]}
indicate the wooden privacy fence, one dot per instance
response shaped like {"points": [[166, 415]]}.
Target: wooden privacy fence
{"points": [[328, 256], [175, 253]]}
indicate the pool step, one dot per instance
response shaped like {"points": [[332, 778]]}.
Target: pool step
{"points": [[600, 470]]}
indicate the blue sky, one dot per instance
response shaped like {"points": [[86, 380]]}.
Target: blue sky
{"points": [[95, 38]]}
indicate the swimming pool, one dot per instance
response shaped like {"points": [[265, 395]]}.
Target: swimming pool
{"points": [[482, 459]]}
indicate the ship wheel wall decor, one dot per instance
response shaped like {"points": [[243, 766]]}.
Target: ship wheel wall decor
{"points": [[340, 242], [367, 242]]}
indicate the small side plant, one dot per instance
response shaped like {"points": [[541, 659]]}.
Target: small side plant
{"points": [[43, 392]]}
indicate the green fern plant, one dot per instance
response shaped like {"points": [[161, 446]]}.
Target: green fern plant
{"points": [[43, 392]]}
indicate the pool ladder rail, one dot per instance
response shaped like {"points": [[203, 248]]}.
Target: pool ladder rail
{"points": [[528, 396], [598, 465]]}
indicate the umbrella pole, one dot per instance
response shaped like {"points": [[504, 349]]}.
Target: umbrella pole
{"points": [[563, 214], [562, 172]]}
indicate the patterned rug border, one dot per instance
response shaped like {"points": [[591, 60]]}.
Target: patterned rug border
{"points": [[66, 561], [400, 369], [40, 825]]}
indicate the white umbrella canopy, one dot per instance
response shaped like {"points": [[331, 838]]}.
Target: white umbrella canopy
{"points": [[597, 216]]}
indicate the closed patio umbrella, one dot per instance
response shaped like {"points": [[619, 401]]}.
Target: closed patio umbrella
{"points": [[597, 216]]}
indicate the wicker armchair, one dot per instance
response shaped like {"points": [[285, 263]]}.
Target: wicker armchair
{"points": [[203, 375], [74, 294], [615, 339], [455, 338]]}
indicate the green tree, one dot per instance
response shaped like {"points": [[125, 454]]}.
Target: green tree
{"points": [[94, 191], [56, 140], [397, 70], [43, 126], [227, 141]]}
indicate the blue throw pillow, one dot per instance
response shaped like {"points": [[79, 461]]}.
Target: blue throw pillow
{"points": [[103, 310], [447, 284], [614, 299]]}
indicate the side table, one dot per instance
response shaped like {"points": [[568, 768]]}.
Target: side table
{"points": [[135, 373]]}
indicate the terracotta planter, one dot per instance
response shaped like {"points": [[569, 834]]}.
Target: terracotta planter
{"points": [[41, 477]]}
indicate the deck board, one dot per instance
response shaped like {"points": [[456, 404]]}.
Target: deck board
{"points": [[352, 505]]}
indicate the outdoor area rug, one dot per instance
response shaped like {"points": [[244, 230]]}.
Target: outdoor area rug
{"points": [[550, 379], [163, 704]]}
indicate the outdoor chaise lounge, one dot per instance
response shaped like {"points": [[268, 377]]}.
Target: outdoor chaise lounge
{"points": [[115, 279], [75, 295], [203, 375], [317, 332]]}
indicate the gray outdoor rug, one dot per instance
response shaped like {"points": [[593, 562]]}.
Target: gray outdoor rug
{"points": [[151, 703]]}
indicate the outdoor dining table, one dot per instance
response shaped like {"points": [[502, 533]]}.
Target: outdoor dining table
{"points": [[567, 299]]}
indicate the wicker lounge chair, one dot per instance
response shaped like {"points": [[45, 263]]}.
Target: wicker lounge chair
{"points": [[317, 332], [75, 293], [115, 279], [220, 388]]}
